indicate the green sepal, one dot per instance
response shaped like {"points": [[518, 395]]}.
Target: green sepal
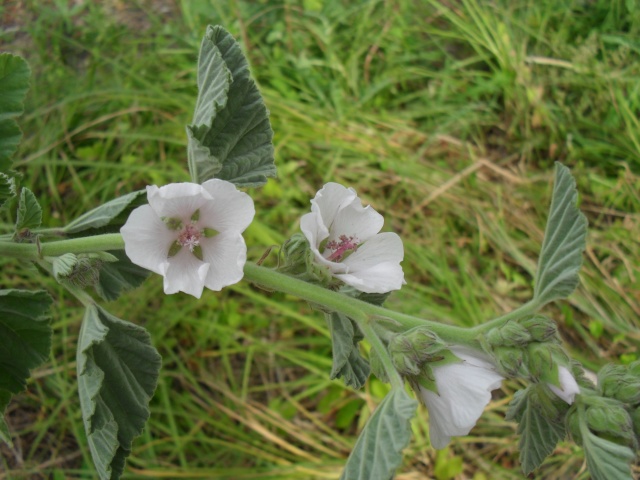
{"points": [[172, 223], [209, 232], [197, 252], [174, 249]]}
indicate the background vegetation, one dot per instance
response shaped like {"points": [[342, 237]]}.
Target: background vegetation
{"points": [[446, 116]]}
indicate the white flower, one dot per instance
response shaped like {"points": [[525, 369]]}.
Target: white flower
{"points": [[344, 238], [464, 389], [569, 387], [191, 234]]}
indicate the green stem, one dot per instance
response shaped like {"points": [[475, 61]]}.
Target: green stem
{"points": [[358, 310], [528, 308], [32, 251], [375, 342]]}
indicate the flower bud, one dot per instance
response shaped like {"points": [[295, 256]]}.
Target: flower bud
{"points": [[608, 419], [541, 328], [511, 334], [544, 359], [620, 382], [410, 349], [511, 361]]}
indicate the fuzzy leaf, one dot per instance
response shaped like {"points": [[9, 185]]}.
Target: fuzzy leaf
{"points": [[378, 452], [29, 211], [606, 460], [117, 374], [25, 342], [7, 188], [14, 83], [119, 276], [539, 435], [347, 361], [564, 242], [230, 137], [113, 213]]}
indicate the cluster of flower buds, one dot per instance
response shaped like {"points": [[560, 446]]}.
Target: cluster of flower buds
{"points": [[530, 348], [454, 382], [622, 383]]}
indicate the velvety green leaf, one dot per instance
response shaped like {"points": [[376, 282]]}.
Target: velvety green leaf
{"points": [[25, 341], [113, 213], [378, 452], [347, 361], [117, 374], [119, 276], [564, 242], [606, 460], [539, 434], [29, 211], [7, 188], [230, 137], [14, 83]]}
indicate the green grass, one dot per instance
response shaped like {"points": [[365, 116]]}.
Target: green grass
{"points": [[446, 116]]}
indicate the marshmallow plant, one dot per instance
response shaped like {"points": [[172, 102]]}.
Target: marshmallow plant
{"points": [[341, 263]]}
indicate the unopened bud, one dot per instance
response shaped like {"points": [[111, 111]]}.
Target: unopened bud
{"points": [[610, 420], [541, 328], [620, 382], [511, 361], [511, 334], [544, 359], [410, 349]]}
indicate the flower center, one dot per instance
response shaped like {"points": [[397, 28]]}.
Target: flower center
{"points": [[189, 237], [341, 249]]}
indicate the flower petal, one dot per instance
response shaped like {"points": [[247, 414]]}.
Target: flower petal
{"points": [[330, 199], [147, 239], [569, 385], [227, 254], [356, 221], [230, 211], [381, 278], [314, 230], [375, 266], [464, 390], [186, 273], [177, 200], [383, 247]]}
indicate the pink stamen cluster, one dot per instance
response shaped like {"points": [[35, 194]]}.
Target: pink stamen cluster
{"points": [[190, 236], [345, 245]]}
